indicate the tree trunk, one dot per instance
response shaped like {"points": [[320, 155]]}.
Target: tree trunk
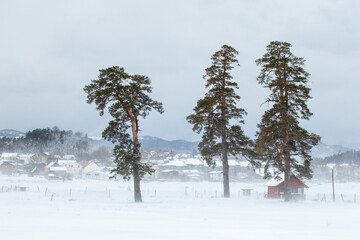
{"points": [[135, 129], [287, 180], [137, 192], [225, 164]]}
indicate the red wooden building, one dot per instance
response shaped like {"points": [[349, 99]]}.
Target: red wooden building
{"points": [[276, 188]]}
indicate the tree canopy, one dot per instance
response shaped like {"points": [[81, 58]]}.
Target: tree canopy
{"points": [[217, 115], [127, 98], [281, 142]]}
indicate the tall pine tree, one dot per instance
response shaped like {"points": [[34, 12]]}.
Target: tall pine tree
{"points": [[127, 99], [281, 142], [216, 110]]}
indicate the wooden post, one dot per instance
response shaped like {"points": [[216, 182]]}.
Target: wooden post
{"points": [[333, 187]]}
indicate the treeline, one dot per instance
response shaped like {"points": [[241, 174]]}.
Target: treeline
{"points": [[350, 157], [54, 141]]}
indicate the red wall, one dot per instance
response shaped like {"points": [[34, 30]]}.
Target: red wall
{"points": [[274, 191]]}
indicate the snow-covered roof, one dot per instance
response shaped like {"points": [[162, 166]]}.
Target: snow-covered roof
{"points": [[169, 170], [190, 171], [50, 164], [23, 156], [193, 161], [58, 169], [232, 162], [6, 163], [9, 155], [68, 157], [273, 182], [64, 162], [176, 163], [89, 163]]}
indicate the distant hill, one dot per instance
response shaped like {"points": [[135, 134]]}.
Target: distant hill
{"points": [[11, 133], [155, 143], [323, 150], [350, 157], [158, 144], [54, 141]]}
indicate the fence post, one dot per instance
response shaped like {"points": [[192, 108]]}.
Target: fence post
{"points": [[333, 187]]}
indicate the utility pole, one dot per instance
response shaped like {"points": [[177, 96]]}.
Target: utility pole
{"points": [[333, 188]]}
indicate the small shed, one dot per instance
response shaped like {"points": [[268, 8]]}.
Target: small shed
{"points": [[276, 188]]}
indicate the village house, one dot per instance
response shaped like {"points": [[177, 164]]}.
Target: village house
{"points": [[55, 171], [25, 158], [191, 175], [172, 170], [69, 157], [36, 169], [72, 166], [90, 166], [8, 168], [276, 188], [9, 156], [41, 157], [89, 169]]}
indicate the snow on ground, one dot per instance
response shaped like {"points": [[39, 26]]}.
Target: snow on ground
{"points": [[91, 209]]}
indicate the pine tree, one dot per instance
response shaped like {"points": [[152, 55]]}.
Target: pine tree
{"points": [[214, 112], [281, 142], [127, 99]]}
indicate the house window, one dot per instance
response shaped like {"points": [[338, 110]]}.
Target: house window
{"points": [[282, 189], [299, 190]]}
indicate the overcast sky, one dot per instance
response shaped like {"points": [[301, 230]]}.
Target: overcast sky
{"points": [[49, 50]]}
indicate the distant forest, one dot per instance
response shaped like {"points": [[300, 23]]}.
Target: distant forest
{"points": [[351, 157], [54, 141]]}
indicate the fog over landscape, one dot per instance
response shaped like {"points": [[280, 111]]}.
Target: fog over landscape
{"points": [[195, 171]]}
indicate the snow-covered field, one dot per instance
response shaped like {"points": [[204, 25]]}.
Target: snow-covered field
{"points": [[91, 209]]}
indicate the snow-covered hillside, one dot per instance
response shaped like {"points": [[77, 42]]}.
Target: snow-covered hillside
{"points": [[323, 150], [10, 133]]}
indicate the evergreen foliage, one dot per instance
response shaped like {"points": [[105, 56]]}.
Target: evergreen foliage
{"points": [[54, 141], [217, 115], [281, 142], [127, 99]]}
